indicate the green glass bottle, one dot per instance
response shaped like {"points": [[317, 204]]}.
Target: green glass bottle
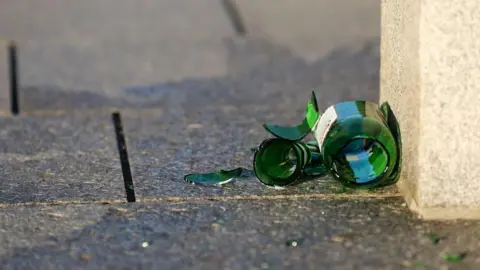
{"points": [[360, 143]]}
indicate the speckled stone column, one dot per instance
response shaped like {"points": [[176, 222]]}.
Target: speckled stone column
{"points": [[430, 74]]}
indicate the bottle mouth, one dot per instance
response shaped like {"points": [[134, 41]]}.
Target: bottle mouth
{"points": [[279, 162], [361, 161]]}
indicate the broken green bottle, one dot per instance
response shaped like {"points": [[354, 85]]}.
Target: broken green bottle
{"points": [[279, 162], [359, 143]]}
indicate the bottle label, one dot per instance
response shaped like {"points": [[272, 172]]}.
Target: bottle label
{"points": [[324, 124]]}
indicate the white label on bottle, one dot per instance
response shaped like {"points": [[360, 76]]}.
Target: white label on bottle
{"points": [[324, 125]]}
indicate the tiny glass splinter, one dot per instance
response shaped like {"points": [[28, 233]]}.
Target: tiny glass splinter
{"points": [[217, 178]]}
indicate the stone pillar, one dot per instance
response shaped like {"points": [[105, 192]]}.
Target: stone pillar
{"points": [[430, 75]]}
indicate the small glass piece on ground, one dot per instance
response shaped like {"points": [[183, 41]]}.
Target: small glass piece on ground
{"points": [[454, 257], [219, 177], [433, 237]]}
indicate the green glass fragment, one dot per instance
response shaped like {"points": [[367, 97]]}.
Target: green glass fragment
{"points": [[218, 178], [419, 264], [312, 144], [394, 127], [298, 132], [454, 257], [433, 237]]}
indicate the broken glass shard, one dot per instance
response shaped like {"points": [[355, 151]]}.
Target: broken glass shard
{"points": [[341, 190], [219, 177], [298, 132], [312, 144], [392, 123], [433, 237], [454, 257]]}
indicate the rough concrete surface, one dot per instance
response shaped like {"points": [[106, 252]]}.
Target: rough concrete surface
{"points": [[429, 55], [59, 158], [329, 233]]}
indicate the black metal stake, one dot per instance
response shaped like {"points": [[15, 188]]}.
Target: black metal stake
{"points": [[235, 17], [13, 76], [122, 150]]}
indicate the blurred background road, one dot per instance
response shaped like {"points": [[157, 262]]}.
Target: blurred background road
{"points": [[107, 47]]}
